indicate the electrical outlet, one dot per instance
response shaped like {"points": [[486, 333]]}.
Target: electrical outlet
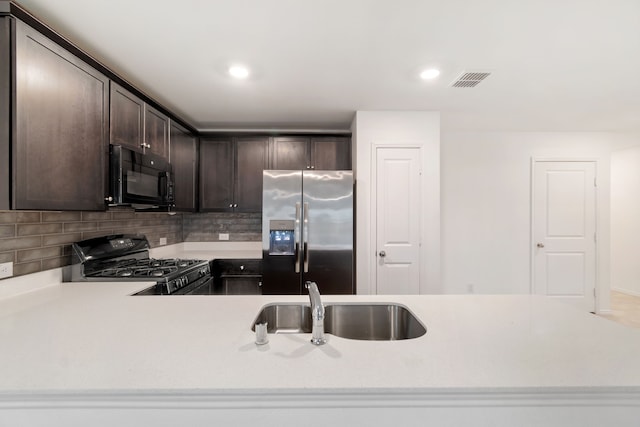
{"points": [[6, 270], [223, 236], [163, 240]]}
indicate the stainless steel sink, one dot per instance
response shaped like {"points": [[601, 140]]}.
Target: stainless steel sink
{"points": [[285, 318], [370, 321]]}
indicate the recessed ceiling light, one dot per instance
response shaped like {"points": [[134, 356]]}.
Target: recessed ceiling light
{"points": [[429, 74], [239, 71]]}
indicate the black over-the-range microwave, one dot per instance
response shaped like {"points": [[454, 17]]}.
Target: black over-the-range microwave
{"points": [[139, 179]]}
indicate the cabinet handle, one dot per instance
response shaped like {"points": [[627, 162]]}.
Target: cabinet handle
{"points": [[313, 167], [108, 199], [231, 205], [235, 205]]}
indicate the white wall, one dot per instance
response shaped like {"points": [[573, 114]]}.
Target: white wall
{"points": [[625, 220], [397, 128], [485, 186]]}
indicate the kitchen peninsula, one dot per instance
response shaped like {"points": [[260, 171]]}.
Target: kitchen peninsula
{"points": [[88, 353]]}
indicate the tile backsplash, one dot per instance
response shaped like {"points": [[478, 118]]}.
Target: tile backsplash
{"points": [[40, 240], [206, 227]]}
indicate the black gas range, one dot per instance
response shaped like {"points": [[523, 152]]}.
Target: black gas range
{"points": [[125, 257]]}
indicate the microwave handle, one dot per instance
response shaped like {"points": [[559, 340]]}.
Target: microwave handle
{"points": [[163, 184]]}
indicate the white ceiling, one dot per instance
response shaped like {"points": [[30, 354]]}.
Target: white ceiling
{"points": [[557, 65]]}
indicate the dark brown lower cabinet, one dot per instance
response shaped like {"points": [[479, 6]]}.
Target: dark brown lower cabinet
{"points": [[60, 137], [237, 276]]}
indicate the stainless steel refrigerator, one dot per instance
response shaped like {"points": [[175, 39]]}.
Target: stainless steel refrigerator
{"points": [[307, 231]]}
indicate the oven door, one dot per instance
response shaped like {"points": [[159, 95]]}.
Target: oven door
{"points": [[138, 178], [202, 286]]}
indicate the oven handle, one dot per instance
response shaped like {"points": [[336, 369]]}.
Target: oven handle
{"points": [[192, 288]]}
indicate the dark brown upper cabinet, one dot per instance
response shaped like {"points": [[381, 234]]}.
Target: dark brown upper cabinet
{"points": [[127, 119], [58, 116], [304, 152], [216, 175], [231, 173], [251, 160], [330, 153], [156, 131], [184, 159], [290, 153], [136, 124]]}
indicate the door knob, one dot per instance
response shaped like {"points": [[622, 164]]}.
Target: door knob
{"points": [[382, 254], [540, 245]]}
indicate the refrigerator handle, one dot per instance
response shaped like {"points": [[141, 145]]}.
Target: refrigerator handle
{"points": [[306, 237], [296, 232]]}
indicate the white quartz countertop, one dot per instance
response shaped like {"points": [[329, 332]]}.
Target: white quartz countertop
{"points": [[93, 336], [210, 250]]}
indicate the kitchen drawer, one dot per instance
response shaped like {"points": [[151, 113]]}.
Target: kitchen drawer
{"points": [[234, 267]]}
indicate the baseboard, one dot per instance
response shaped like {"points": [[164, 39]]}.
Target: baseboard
{"points": [[626, 292]]}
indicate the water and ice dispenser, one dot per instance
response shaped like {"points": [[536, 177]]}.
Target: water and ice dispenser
{"points": [[282, 237]]}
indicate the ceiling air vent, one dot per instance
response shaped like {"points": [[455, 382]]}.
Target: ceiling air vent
{"points": [[470, 79]]}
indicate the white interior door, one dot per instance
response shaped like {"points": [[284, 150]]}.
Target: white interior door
{"points": [[564, 231], [398, 202]]}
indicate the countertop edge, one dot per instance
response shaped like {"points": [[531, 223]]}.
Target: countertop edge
{"points": [[380, 397]]}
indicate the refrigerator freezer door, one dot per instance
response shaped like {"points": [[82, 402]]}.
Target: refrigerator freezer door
{"points": [[281, 194]]}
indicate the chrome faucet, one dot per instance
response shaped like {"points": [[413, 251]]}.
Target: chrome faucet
{"points": [[317, 314]]}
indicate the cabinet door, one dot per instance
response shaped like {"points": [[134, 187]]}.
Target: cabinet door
{"points": [[60, 144], [329, 153], [183, 149], [6, 73], [251, 160], [156, 132], [290, 153], [242, 285], [127, 119], [216, 175]]}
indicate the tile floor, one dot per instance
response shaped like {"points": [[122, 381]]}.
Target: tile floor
{"points": [[625, 309]]}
